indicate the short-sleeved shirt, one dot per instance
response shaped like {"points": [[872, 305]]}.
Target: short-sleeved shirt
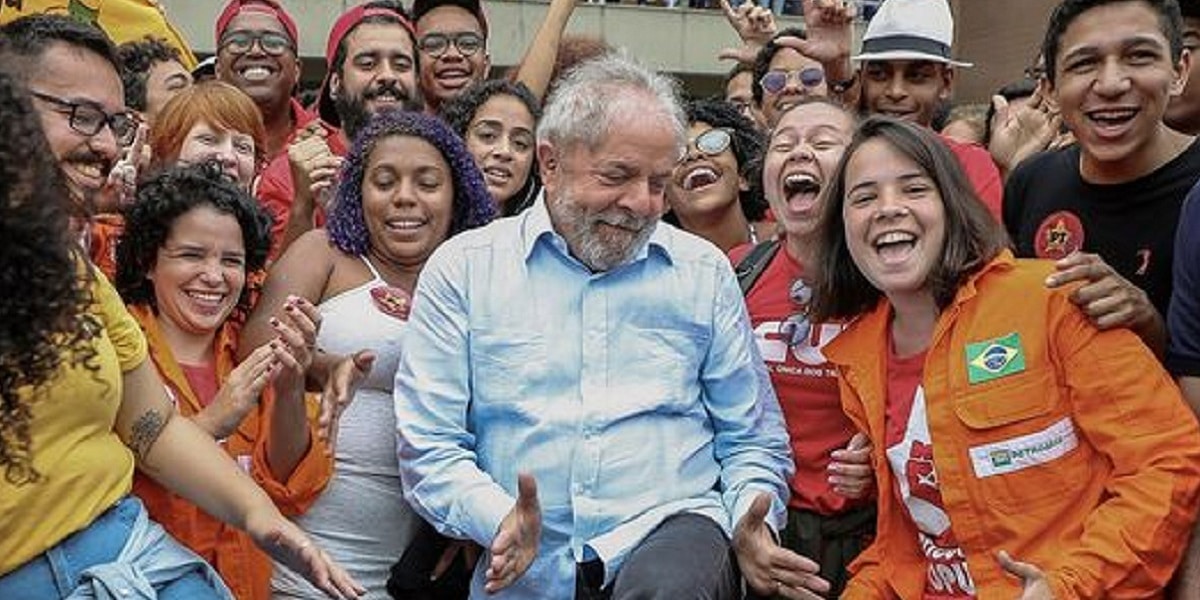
{"points": [[84, 467], [1050, 211]]}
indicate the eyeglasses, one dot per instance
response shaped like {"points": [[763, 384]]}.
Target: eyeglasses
{"points": [[774, 81], [241, 41], [88, 119], [711, 142], [436, 44], [796, 328]]}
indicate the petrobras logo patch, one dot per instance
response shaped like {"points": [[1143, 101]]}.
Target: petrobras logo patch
{"points": [[1019, 453]]}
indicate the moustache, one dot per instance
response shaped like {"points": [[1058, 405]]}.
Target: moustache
{"points": [[616, 217], [387, 88]]}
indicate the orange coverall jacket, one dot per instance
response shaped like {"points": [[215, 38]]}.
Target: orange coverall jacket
{"points": [[1080, 458], [245, 569]]}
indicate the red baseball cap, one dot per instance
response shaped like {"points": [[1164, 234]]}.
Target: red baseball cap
{"points": [[341, 28], [270, 7]]}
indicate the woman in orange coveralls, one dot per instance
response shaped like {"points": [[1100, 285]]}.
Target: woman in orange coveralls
{"points": [[1019, 451], [192, 236]]}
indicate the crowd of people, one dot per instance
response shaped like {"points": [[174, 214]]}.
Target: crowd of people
{"points": [[570, 332]]}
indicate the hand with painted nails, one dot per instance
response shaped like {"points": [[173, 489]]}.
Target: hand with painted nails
{"points": [[296, 326], [240, 393]]}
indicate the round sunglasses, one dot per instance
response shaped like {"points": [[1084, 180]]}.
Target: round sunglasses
{"points": [[774, 81]]}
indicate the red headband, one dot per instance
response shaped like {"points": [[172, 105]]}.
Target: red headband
{"points": [[270, 7], [350, 19]]}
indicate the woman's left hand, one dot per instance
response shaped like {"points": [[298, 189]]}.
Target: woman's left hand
{"points": [[296, 326], [286, 543]]}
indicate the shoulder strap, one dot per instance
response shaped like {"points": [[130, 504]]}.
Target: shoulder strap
{"points": [[370, 266], [753, 264]]}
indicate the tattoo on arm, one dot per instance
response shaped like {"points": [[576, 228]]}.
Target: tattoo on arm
{"points": [[145, 431]]}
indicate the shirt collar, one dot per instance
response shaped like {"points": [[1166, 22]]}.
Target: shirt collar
{"points": [[537, 228]]}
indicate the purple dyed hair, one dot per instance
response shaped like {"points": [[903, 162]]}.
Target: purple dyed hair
{"points": [[473, 204]]}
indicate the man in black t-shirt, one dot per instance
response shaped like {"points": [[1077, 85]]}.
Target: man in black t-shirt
{"points": [[1107, 207]]}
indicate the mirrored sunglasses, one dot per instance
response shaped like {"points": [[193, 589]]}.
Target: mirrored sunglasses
{"points": [[711, 142]]}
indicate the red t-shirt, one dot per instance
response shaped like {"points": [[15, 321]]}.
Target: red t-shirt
{"points": [[910, 455], [276, 190], [203, 381], [977, 162], [804, 381]]}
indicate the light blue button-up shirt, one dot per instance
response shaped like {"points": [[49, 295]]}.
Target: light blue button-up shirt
{"points": [[630, 395]]}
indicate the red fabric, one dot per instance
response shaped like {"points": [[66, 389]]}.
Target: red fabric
{"points": [[271, 7], [977, 162], [804, 382], [352, 18], [203, 381], [276, 190], [910, 454]]}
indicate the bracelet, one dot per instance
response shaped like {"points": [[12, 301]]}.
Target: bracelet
{"points": [[840, 87]]}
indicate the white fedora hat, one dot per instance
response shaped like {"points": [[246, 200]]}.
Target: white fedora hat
{"points": [[910, 30]]}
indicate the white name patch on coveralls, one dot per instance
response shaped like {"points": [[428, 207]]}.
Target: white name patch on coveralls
{"points": [[1039, 447]]}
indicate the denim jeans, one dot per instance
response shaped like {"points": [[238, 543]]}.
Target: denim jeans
{"points": [[59, 571]]}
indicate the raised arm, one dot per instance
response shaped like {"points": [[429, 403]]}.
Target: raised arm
{"points": [[537, 65]]}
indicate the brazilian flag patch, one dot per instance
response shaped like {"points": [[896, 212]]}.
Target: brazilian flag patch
{"points": [[995, 358]]}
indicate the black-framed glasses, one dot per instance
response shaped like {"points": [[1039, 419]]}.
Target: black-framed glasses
{"points": [[88, 118], [241, 41], [774, 81], [436, 44], [711, 142]]}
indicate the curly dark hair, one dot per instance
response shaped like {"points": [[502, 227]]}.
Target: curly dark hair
{"points": [[747, 146], [762, 61], [165, 197], [460, 110], [473, 204], [137, 58], [44, 318]]}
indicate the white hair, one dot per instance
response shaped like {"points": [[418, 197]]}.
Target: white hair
{"points": [[586, 101]]}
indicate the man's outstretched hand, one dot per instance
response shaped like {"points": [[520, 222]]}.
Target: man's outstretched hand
{"points": [[516, 542]]}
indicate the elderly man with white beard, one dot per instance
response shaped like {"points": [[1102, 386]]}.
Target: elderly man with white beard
{"points": [[581, 393]]}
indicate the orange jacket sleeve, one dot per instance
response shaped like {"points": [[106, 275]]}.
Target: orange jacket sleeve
{"points": [[1131, 412], [311, 474]]}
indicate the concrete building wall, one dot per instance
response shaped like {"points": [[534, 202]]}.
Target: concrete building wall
{"points": [[1001, 37], [677, 40]]}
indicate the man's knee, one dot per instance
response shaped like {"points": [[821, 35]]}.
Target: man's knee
{"points": [[688, 556]]}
